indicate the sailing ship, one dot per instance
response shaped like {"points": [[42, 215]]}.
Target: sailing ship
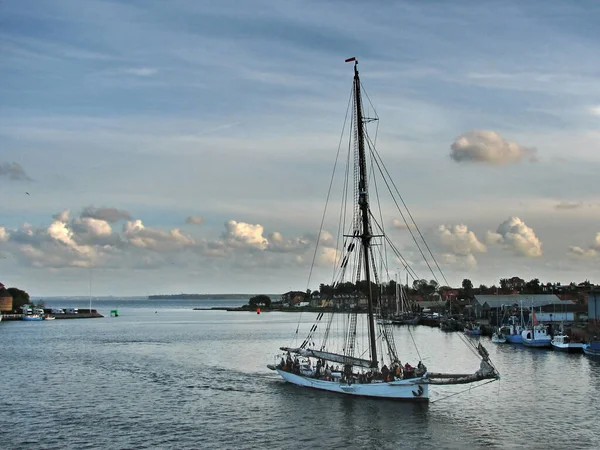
{"points": [[365, 361], [404, 311]]}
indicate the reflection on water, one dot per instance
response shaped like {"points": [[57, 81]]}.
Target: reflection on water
{"points": [[195, 379]]}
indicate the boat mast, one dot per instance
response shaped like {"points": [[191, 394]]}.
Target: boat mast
{"points": [[398, 295], [363, 203]]}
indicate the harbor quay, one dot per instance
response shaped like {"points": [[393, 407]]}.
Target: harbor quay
{"points": [[81, 314]]}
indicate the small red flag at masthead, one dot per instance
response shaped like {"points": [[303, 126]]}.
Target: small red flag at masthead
{"points": [[351, 59]]}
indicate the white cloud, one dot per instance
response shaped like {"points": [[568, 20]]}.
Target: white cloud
{"points": [[462, 244], [141, 71], [52, 247], [195, 220], [595, 110], [327, 256], [483, 146], [59, 231], [111, 215], [62, 216], [84, 241], [514, 234], [91, 226], [399, 224], [579, 252], [155, 239], [568, 205], [241, 234], [4, 234], [460, 240], [277, 243], [589, 253], [468, 262]]}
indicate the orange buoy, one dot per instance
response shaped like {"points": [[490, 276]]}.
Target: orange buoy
{"points": [[257, 310]]}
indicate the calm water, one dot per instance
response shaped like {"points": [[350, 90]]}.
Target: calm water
{"points": [[164, 376]]}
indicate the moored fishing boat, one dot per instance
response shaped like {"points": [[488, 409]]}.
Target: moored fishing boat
{"points": [[472, 329], [32, 317], [512, 333], [365, 361], [498, 338], [563, 343], [536, 336], [513, 325], [592, 348]]}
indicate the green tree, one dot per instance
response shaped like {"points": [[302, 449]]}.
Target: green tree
{"points": [[20, 297], [533, 286], [259, 300], [467, 286]]}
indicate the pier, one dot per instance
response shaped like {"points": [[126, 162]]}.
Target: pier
{"points": [[81, 315]]}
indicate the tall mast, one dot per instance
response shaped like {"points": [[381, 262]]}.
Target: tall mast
{"points": [[363, 203]]}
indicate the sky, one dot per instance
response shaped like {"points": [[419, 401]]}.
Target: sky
{"points": [[187, 146]]}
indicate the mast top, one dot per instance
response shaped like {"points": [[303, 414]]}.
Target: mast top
{"points": [[353, 59]]}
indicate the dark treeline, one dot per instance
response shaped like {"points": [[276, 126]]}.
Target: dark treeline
{"points": [[431, 290], [197, 296]]}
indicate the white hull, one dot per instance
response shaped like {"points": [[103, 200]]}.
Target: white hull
{"points": [[538, 337], [539, 343], [412, 390], [563, 343], [498, 338], [573, 347]]}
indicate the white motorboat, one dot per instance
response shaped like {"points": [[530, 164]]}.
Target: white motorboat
{"points": [[563, 343]]}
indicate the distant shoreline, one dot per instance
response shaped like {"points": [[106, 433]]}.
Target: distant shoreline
{"points": [[202, 296]]}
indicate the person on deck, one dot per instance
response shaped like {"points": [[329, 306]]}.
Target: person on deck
{"points": [[408, 371], [385, 373]]}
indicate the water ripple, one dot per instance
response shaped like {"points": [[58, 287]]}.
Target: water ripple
{"points": [[199, 383]]}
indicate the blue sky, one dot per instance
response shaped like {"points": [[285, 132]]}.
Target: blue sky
{"points": [[231, 112]]}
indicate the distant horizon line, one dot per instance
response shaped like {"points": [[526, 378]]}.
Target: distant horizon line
{"points": [[143, 296]]}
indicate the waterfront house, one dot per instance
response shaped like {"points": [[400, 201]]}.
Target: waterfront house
{"points": [[6, 300], [594, 309], [292, 298], [486, 305]]}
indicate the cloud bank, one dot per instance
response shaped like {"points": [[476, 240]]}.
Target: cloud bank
{"points": [[488, 147], [111, 215], [462, 243], [591, 252], [516, 236], [194, 220], [86, 241], [13, 171]]}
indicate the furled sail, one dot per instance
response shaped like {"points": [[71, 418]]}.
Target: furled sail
{"points": [[486, 372], [328, 356]]}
